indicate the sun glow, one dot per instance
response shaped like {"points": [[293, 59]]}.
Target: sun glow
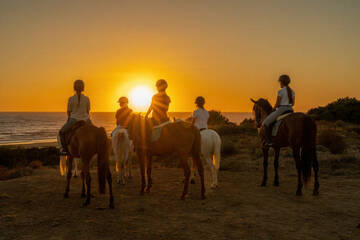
{"points": [[140, 97]]}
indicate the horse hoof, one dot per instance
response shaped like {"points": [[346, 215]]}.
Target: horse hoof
{"points": [[183, 197], [148, 190], [85, 204], [192, 181], [263, 184], [83, 195], [316, 193], [203, 197], [298, 193], [66, 195], [276, 184]]}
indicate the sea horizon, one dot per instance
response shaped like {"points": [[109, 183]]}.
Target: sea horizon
{"points": [[39, 127]]}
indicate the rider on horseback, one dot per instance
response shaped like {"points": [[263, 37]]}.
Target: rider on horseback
{"points": [[200, 116], [159, 104], [284, 102], [78, 109], [123, 115]]}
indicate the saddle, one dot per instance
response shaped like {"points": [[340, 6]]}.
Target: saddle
{"points": [[157, 130], [70, 133], [278, 122]]}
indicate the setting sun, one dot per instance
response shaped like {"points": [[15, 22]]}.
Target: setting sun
{"points": [[140, 97]]}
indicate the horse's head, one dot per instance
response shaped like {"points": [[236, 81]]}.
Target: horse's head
{"points": [[139, 129], [262, 108]]}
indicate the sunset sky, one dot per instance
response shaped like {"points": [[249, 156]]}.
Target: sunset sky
{"points": [[226, 51]]}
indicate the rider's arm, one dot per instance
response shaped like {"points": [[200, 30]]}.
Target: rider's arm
{"points": [[277, 104], [149, 110], [293, 100]]}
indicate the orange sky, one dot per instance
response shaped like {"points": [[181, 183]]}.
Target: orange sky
{"points": [[227, 51]]}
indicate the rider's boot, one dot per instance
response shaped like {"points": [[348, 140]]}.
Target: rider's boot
{"points": [[268, 136]]}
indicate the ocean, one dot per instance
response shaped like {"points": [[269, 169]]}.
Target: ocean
{"points": [[36, 127]]}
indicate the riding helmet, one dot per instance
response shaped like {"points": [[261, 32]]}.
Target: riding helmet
{"points": [[123, 100], [200, 100]]}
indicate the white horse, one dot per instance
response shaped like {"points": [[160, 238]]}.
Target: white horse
{"points": [[122, 148], [210, 155]]}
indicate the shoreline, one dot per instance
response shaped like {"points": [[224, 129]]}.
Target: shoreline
{"points": [[41, 144]]}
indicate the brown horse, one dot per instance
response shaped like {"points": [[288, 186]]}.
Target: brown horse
{"points": [[86, 141], [297, 131], [178, 137]]}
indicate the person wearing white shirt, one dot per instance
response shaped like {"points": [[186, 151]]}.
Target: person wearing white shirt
{"points": [[284, 103], [200, 115], [78, 109]]}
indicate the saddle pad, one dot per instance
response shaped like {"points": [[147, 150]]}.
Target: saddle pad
{"points": [[283, 116], [278, 122], [156, 131], [276, 127]]}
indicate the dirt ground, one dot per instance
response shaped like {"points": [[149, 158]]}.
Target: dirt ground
{"points": [[33, 207]]}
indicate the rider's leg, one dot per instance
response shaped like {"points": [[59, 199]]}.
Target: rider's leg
{"points": [[65, 129]]}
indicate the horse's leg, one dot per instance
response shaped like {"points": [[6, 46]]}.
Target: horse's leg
{"points": [[109, 179], [200, 166], [265, 165], [76, 160], [193, 172], [83, 185], [296, 152], [68, 176], [117, 168], [276, 166], [86, 172], [142, 158], [185, 165], [316, 170], [148, 172]]}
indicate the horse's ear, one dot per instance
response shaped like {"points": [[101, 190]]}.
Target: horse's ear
{"points": [[252, 100]]}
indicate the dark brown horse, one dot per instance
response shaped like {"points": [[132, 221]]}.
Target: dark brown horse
{"points": [[297, 131], [86, 141], [178, 137]]}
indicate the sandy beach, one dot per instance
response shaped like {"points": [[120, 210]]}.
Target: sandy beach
{"points": [[33, 207]]}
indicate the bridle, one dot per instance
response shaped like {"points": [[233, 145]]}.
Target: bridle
{"points": [[257, 113]]}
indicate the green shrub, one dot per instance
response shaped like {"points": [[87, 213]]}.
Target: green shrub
{"points": [[345, 109], [333, 141]]}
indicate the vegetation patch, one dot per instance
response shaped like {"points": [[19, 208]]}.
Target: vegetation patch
{"points": [[333, 141]]}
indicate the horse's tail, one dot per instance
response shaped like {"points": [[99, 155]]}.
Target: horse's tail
{"points": [[308, 150], [217, 150], [103, 155]]}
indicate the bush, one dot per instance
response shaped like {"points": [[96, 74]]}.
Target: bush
{"points": [[333, 141], [345, 109], [228, 148], [15, 173], [16, 157], [35, 164], [216, 118]]}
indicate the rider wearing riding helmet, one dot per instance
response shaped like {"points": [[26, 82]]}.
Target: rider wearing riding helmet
{"points": [[200, 115], [160, 103], [124, 113], [78, 109], [284, 103]]}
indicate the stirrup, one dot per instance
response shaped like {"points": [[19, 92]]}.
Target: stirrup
{"points": [[63, 152]]}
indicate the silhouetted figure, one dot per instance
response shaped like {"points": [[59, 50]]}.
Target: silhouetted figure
{"points": [[78, 109], [284, 103], [123, 114], [200, 115], [160, 103]]}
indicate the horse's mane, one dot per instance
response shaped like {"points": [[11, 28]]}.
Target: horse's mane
{"points": [[264, 104]]}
